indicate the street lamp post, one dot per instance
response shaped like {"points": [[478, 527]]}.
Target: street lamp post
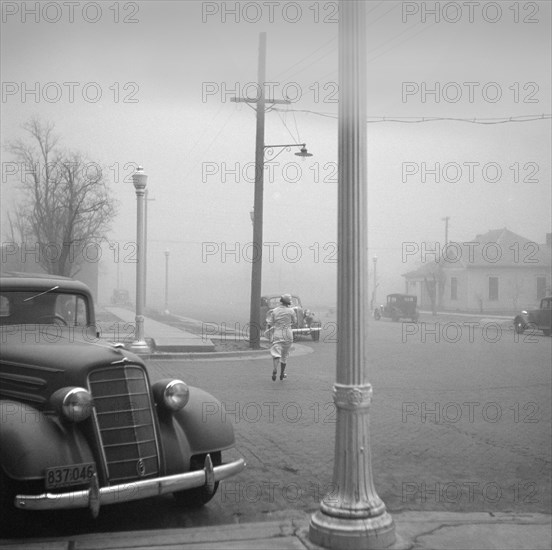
{"points": [[374, 303], [139, 179], [257, 219], [352, 516], [167, 253]]}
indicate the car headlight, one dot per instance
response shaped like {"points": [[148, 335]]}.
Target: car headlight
{"points": [[74, 404], [172, 394]]}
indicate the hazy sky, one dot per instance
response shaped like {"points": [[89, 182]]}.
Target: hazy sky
{"points": [[166, 72]]}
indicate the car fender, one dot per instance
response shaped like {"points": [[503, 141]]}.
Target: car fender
{"points": [[202, 426], [33, 441]]}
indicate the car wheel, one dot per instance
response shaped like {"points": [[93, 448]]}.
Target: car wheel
{"points": [[519, 326], [199, 496], [546, 332], [12, 520], [377, 315]]}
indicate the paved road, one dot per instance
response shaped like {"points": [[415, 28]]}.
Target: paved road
{"points": [[458, 424]]}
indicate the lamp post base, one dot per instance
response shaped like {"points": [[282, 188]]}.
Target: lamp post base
{"points": [[352, 534], [140, 347]]}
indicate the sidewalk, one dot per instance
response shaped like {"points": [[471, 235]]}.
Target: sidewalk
{"points": [[164, 337], [414, 530]]}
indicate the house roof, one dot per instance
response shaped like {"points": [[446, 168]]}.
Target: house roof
{"points": [[496, 248]]}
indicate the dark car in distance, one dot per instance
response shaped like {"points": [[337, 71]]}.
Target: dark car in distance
{"points": [[83, 425], [307, 324], [537, 319], [397, 307]]}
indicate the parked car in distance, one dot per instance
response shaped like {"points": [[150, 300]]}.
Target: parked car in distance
{"points": [[537, 319], [397, 307], [83, 425], [120, 297], [307, 324]]}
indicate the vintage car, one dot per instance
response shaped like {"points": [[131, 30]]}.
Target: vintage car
{"points": [[307, 324], [398, 306], [120, 297], [536, 319], [82, 424]]}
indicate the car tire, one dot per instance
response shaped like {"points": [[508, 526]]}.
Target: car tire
{"points": [[12, 520], [316, 335], [377, 315], [199, 496]]}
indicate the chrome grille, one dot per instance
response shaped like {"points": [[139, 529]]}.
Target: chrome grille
{"points": [[124, 419]]}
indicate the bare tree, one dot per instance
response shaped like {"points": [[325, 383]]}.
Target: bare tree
{"points": [[66, 202]]}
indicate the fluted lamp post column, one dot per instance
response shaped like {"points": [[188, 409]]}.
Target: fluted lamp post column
{"points": [[139, 179], [352, 516]]}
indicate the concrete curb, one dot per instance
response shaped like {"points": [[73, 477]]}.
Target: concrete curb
{"points": [[223, 355], [420, 530]]}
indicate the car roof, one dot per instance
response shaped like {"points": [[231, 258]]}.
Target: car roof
{"points": [[40, 281], [403, 295]]}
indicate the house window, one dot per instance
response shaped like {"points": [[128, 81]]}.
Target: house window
{"points": [[493, 289], [541, 287], [454, 288]]}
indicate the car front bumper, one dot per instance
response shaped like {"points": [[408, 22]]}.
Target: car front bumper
{"points": [[306, 330], [95, 496]]}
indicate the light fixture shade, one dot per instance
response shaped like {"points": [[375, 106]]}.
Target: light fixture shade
{"points": [[139, 179], [303, 153]]}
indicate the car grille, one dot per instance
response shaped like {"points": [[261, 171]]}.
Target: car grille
{"points": [[125, 423]]}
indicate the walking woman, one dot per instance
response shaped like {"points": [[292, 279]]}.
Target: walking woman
{"points": [[279, 322]]}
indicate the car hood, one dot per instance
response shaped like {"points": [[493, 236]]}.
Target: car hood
{"points": [[33, 365]]}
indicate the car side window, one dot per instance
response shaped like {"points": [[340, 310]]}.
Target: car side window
{"points": [[5, 306]]}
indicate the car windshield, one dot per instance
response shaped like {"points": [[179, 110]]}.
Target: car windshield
{"points": [[275, 302], [29, 307]]}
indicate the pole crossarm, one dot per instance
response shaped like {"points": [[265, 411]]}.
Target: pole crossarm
{"points": [[256, 100]]}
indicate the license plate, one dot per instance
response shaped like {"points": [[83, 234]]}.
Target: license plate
{"points": [[65, 476]]}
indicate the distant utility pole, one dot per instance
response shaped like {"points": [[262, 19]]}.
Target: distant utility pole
{"points": [[446, 220], [257, 261]]}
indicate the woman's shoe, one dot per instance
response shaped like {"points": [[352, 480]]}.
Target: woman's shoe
{"points": [[282, 376], [273, 375]]}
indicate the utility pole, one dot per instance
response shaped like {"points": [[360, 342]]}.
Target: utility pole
{"points": [[446, 220], [257, 260], [441, 282]]}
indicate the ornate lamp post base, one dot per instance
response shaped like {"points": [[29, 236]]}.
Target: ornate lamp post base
{"points": [[140, 346], [352, 534], [352, 516]]}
